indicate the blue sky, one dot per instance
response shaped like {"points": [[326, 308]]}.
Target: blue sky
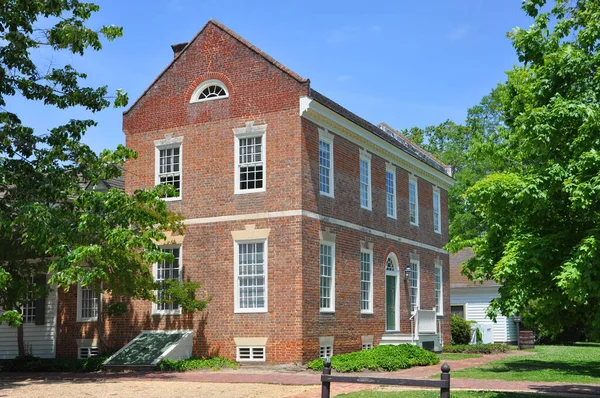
{"points": [[403, 62]]}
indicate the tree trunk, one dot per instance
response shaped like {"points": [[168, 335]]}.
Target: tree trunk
{"points": [[21, 341]]}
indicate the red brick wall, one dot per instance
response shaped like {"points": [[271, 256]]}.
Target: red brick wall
{"points": [[262, 93]]}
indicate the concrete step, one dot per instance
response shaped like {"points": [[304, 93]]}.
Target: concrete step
{"points": [[397, 338]]}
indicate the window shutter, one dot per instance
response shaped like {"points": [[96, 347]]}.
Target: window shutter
{"points": [[40, 304]]}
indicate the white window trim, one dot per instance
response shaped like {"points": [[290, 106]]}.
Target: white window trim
{"points": [[331, 308], [249, 131], [364, 155], [390, 168], [212, 82], [89, 349], [80, 304], [155, 310], [370, 309], [236, 264], [327, 137], [251, 347], [440, 308], [413, 180], [437, 199], [414, 262], [168, 143]]}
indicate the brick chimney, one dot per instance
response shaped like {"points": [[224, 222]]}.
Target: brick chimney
{"points": [[177, 48]]}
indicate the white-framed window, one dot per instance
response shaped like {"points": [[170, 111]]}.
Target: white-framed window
{"points": [[250, 158], [367, 346], [87, 352], [251, 276], [437, 216], [415, 286], [325, 351], [365, 180], [390, 190], [326, 175], [327, 276], [437, 282], [413, 200], [169, 166], [87, 304], [28, 312], [251, 354], [164, 271], [366, 281], [209, 90]]}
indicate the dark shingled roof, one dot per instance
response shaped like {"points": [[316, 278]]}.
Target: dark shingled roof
{"points": [[388, 134], [458, 280]]}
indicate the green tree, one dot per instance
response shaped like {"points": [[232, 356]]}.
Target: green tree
{"points": [[49, 223], [473, 149], [540, 217]]}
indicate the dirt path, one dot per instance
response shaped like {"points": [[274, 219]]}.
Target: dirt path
{"points": [[144, 389]]}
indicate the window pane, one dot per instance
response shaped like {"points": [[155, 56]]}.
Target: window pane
{"points": [[250, 157], [324, 166], [414, 286], [390, 189], [326, 272], [251, 275], [170, 167], [365, 281], [168, 271], [365, 175]]}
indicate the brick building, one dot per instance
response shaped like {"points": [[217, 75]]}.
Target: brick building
{"points": [[315, 231]]}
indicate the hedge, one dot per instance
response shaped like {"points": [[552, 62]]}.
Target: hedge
{"points": [[214, 363], [383, 357], [476, 348], [34, 364]]}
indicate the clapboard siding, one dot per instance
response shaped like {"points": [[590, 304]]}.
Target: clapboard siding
{"points": [[41, 338], [476, 302]]}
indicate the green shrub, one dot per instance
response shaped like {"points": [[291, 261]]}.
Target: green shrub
{"points": [[384, 357], [214, 363], [460, 329], [34, 364], [476, 348]]}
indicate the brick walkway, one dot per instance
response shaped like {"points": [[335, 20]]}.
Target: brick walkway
{"points": [[290, 377]]}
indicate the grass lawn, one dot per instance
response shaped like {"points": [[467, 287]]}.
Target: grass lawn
{"points": [[453, 357], [436, 394], [578, 363]]}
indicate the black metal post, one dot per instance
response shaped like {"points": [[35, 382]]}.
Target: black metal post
{"points": [[445, 376], [325, 385]]}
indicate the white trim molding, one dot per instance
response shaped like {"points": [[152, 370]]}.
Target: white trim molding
{"points": [[327, 138], [169, 142], [366, 158], [80, 305], [212, 82], [316, 216], [327, 240], [323, 116], [391, 169], [247, 132], [236, 264], [438, 267], [437, 201], [155, 310], [412, 180], [367, 249]]}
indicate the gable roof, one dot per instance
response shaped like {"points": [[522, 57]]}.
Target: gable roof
{"points": [[390, 135], [234, 35], [457, 279], [382, 131]]}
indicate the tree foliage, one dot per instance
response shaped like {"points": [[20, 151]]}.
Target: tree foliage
{"points": [[49, 222], [540, 217]]}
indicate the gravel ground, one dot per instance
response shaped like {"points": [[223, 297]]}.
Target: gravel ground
{"points": [[145, 389]]}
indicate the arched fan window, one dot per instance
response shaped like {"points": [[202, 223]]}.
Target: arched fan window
{"points": [[209, 90]]}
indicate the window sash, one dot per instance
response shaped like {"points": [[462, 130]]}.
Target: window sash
{"points": [[414, 287], [412, 199], [326, 272], [251, 276], [168, 271], [250, 163], [365, 183], [436, 212], [88, 304], [169, 167], [437, 281], [390, 190], [325, 167], [366, 281]]}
